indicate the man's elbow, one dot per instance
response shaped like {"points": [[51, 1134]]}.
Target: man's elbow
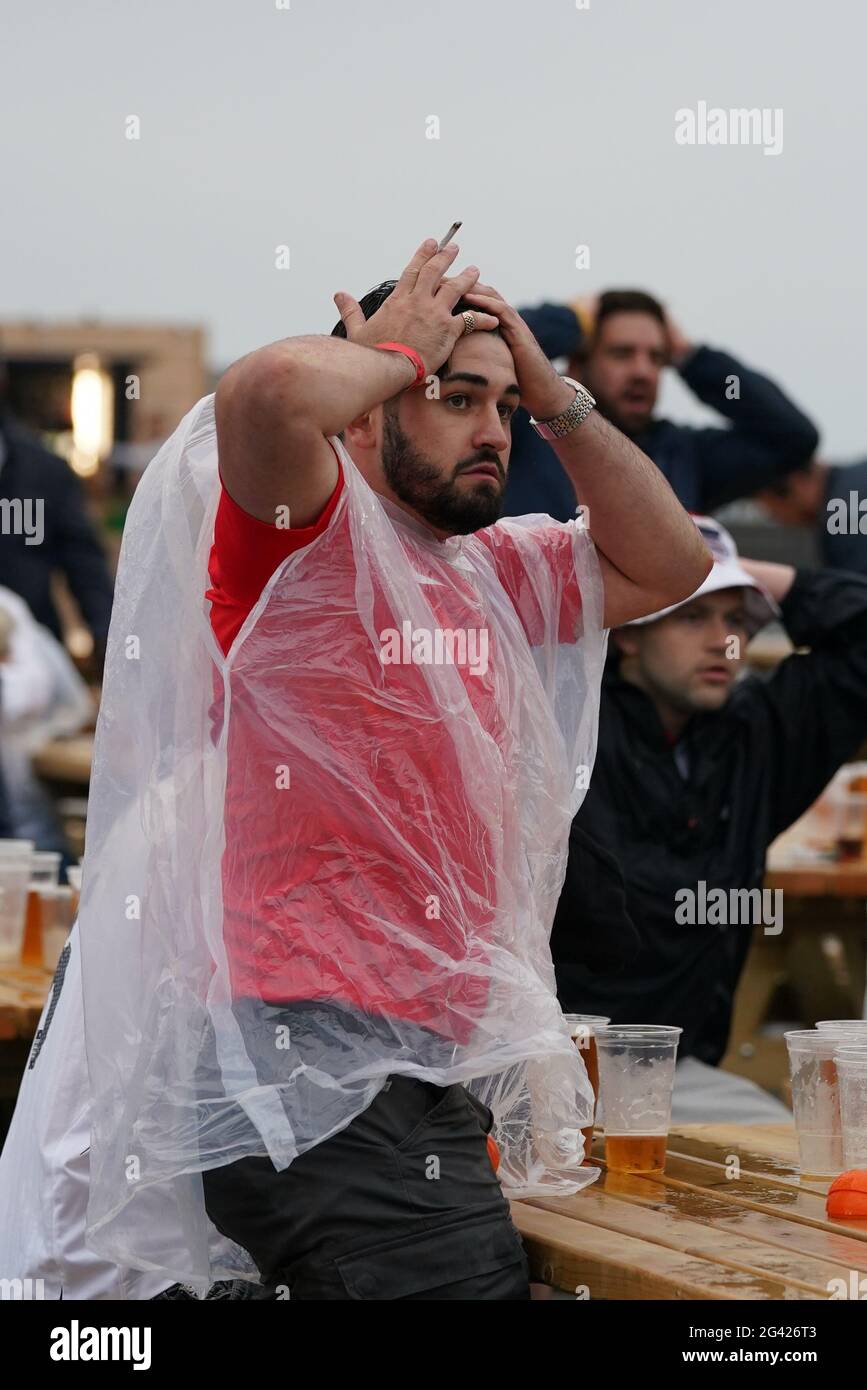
{"points": [[798, 444], [689, 575]]}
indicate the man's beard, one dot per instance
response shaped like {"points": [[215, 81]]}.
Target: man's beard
{"points": [[419, 484]]}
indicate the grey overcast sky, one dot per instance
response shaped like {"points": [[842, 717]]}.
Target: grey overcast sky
{"points": [[306, 126]]}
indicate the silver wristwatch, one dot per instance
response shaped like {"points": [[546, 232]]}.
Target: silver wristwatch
{"points": [[570, 418]]}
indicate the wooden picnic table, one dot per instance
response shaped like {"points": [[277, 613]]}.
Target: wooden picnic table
{"points": [[695, 1232], [819, 958]]}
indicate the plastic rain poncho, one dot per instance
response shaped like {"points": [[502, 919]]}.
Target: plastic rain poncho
{"points": [[332, 856]]}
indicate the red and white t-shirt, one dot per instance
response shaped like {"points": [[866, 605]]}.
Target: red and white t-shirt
{"points": [[309, 886]]}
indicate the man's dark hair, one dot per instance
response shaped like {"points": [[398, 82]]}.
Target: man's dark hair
{"points": [[628, 302], [782, 487], [375, 298]]}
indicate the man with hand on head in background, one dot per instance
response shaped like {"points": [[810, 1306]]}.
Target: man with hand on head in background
{"points": [[619, 345]]}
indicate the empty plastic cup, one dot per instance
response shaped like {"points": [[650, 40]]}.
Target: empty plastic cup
{"points": [[14, 878], [851, 1063], [815, 1098]]}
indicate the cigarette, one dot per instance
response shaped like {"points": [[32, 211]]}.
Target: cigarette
{"points": [[449, 234]]}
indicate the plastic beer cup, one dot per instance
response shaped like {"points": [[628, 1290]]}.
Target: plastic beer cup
{"points": [[636, 1078], [582, 1030]]}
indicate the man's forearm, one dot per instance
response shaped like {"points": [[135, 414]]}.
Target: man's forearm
{"points": [[329, 382], [634, 517], [777, 579]]}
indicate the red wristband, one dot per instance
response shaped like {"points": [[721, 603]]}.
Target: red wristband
{"points": [[420, 372]]}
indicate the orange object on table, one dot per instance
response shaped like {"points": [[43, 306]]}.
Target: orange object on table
{"points": [[847, 1195]]}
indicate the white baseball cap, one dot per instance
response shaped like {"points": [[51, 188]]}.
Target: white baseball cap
{"points": [[727, 573]]}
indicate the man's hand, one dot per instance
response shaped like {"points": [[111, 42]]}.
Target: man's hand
{"points": [[543, 391], [585, 310], [679, 346], [419, 310], [777, 579]]}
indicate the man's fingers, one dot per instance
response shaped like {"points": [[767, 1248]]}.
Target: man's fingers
{"points": [[433, 271], [421, 257], [492, 302], [483, 322], [350, 312], [452, 288]]}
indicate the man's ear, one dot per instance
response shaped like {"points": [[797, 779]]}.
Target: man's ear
{"points": [[362, 432]]}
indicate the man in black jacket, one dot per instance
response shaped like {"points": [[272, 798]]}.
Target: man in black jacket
{"points": [[696, 774], [618, 345], [44, 527]]}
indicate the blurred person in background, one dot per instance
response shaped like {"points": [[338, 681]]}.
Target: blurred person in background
{"points": [[830, 499], [46, 528], [698, 770], [42, 696], [619, 345], [5, 809]]}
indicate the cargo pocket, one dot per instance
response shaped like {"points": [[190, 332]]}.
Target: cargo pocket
{"points": [[462, 1260]]}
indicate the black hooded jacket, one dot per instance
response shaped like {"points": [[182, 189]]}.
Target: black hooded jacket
{"points": [[753, 768]]}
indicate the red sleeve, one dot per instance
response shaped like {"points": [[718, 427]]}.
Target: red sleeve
{"points": [[244, 555]]}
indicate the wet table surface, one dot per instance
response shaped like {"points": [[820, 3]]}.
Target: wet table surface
{"points": [[729, 1218]]}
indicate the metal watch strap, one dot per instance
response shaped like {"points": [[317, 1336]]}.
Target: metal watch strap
{"points": [[569, 419]]}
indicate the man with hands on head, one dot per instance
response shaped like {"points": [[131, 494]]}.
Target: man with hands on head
{"points": [[277, 407], [383, 979], [437, 456]]}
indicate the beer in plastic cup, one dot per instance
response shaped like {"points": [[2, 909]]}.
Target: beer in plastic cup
{"points": [[636, 1077], [582, 1031], [44, 868], [815, 1097], [58, 914]]}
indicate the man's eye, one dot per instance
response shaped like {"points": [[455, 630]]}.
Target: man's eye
{"points": [[506, 411], [458, 396]]}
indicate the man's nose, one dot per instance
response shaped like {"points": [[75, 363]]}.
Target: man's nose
{"points": [[720, 633], [645, 368], [491, 432]]}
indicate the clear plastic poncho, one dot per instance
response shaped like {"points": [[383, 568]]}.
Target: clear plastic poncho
{"points": [[323, 860]]}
